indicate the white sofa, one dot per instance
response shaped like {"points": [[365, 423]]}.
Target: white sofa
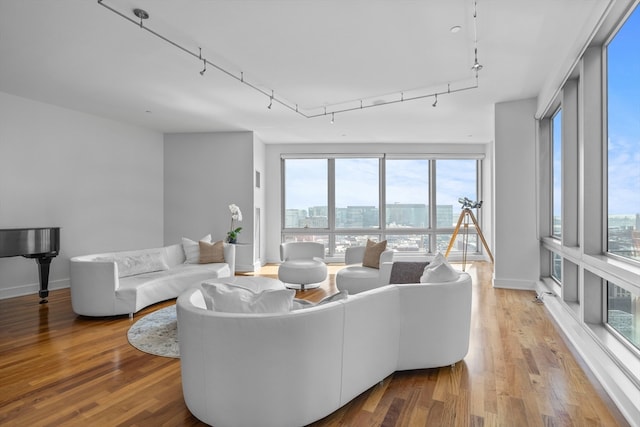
{"points": [[295, 368], [98, 287]]}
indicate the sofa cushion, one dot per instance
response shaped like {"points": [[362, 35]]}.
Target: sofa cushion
{"points": [[211, 252], [192, 249], [233, 299], [439, 271], [132, 264], [372, 253]]}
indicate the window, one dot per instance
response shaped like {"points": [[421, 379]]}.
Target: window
{"points": [[623, 313], [623, 140], [556, 267], [304, 208], [357, 193], [338, 201], [455, 179], [407, 193], [556, 140]]}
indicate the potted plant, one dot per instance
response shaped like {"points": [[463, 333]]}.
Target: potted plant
{"points": [[236, 215]]}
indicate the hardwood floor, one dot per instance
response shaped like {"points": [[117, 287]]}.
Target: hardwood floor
{"points": [[58, 369]]}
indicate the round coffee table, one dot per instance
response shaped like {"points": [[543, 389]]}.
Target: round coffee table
{"points": [[253, 283]]}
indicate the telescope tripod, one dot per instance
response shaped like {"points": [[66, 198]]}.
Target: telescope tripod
{"points": [[463, 220]]}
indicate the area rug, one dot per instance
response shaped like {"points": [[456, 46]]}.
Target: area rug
{"points": [[156, 333]]}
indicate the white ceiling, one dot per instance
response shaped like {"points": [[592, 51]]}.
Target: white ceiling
{"points": [[313, 53]]}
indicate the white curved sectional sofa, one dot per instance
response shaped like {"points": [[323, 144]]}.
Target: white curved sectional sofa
{"points": [[98, 287], [295, 368]]}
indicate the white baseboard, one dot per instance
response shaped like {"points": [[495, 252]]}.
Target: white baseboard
{"points": [[32, 288]]}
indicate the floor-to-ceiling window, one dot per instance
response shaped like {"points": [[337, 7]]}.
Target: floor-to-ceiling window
{"points": [[623, 172], [556, 142], [411, 202], [623, 140], [590, 155]]}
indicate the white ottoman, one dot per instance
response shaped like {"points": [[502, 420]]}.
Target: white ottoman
{"points": [[302, 273]]}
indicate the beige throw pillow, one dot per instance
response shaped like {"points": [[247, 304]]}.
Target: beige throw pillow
{"points": [[372, 253], [211, 252]]}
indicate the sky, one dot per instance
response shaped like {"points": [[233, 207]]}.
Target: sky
{"points": [[623, 90], [357, 182]]}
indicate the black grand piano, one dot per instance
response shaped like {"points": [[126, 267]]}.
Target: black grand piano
{"points": [[43, 244]]}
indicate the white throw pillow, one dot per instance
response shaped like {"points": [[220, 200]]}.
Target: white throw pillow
{"points": [[192, 249], [230, 298], [439, 271]]}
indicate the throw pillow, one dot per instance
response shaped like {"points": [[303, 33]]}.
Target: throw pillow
{"points": [[439, 271], [192, 249], [226, 297], [211, 252], [372, 253]]}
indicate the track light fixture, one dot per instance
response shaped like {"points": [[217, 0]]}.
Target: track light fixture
{"points": [[476, 65], [270, 101], [340, 107], [332, 118]]}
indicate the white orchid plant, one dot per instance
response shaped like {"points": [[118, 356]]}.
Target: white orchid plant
{"points": [[236, 215]]}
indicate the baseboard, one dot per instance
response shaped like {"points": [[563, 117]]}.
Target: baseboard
{"points": [[620, 388], [518, 284], [32, 288]]}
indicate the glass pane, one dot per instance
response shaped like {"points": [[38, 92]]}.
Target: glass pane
{"points": [[357, 193], [556, 125], [623, 313], [442, 243], [407, 193], [414, 243], [344, 241], [556, 267], [623, 108], [455, 179], [305, 193]]}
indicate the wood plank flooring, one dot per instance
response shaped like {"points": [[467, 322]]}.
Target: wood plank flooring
{"points": [[59, 369]]}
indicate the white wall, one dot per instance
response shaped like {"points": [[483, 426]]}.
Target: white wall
{"points": [[204, 174], [517, 249], [274, 190], [259, 200], [100, 180]]}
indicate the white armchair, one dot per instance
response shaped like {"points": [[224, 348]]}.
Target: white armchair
{"points": [[303, 265], [356, 278]]}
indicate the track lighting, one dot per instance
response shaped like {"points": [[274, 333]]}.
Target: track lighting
{"points": [[142, 14], [338, 107]]}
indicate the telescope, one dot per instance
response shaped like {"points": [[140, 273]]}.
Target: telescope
{"points": [[469, 204]]}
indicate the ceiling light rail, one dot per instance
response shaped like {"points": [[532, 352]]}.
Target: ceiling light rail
{"points": [[143, 15]]}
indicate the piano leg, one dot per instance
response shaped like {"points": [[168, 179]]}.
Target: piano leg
{"points": [[43, 268]]}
